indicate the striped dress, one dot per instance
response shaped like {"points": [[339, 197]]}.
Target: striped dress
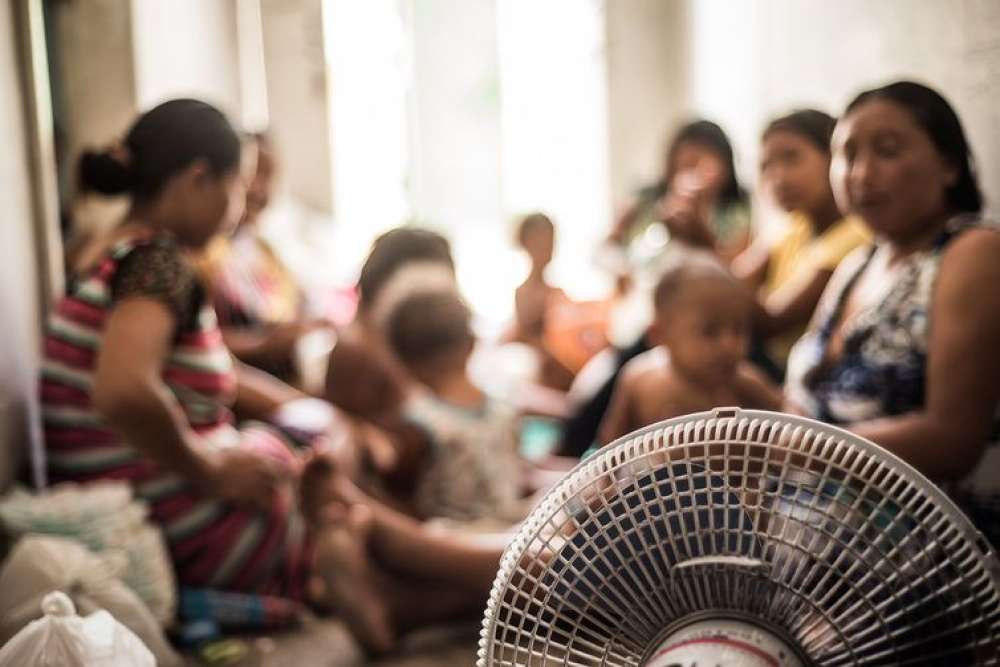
{"points": [[212, 543]]}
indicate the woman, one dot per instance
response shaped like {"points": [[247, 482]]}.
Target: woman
{"points": [[138, 385], [259, 304], [697, 194], [788, 274], [697, 201], [903, 348]]}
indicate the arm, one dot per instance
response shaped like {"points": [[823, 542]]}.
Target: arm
{"points": [[623, 223], [945, 440], [131, 397], [793, 304], [259, 394], [790, 307], [756, 391], [270, 345], [619, 418], [750, 266]]}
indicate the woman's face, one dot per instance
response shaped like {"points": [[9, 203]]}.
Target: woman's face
{"points": [[213, 204], [261, 187], [886, 170], [795, 172], [696, 162]]}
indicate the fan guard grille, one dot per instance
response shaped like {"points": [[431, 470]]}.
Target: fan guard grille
{"points": [[817, 535]]}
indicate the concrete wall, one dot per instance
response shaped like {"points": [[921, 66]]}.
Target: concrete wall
{"points": [[19, 270], [298, 97], [751, 61], [186, 48], [457, 105], [96, 70]]}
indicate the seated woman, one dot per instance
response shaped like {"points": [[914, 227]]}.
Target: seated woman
{"points": [[698, 202], [698, 192], [903, 348], [138, 385], [789, 274], [257, 300]]}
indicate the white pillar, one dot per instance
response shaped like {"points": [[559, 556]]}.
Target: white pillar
{"points": [[187, 48], [298, 95], [22, 269], [647, 48], [456, 121]]}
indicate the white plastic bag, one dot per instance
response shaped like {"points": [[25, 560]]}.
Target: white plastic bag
{"points": [[104, 516], [40, 563], [61, 638]]}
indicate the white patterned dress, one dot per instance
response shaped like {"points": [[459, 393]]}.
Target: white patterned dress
{"points": [[882, 371]]}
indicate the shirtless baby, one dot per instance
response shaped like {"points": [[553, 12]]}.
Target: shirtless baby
{"points": [[702, 325]]}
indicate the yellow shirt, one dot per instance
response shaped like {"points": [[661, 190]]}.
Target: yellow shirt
{"points": [[799, 254]]}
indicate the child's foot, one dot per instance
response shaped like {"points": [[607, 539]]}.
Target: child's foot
{"points": [[345, 583], [325, 494]]}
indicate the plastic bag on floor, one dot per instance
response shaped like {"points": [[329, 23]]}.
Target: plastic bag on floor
{"points": [[40, 563], [104, 516], [62, 638]]}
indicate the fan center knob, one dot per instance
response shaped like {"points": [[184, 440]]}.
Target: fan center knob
{"points": [[722, 643]]}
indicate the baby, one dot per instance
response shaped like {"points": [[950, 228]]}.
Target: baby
{"points": [[472, 470], [701, 322]]}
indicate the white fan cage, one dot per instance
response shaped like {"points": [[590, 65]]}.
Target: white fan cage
{"points": [[818, 537]]}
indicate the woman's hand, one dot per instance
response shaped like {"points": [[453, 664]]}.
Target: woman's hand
{"points": [[683, 210], [246, 478], [681, 214]]}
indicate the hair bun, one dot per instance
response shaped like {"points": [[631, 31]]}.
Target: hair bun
{"points": [[100, 171]]}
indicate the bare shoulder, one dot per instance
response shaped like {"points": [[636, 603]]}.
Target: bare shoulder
{"points": [[652, 361], [970, 268], [975, 250], [650, 380]]}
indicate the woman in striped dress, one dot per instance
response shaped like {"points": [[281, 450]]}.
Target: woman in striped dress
{"points": [[138, 385]]}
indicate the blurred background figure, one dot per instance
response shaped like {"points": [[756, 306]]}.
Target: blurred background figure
{"points": [[261, 308], [565, 333]]}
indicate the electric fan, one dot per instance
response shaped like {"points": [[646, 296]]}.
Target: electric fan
{"points": [[744, 538]]}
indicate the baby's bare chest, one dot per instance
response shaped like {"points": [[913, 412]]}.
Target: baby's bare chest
{"points": [[664, 399]]}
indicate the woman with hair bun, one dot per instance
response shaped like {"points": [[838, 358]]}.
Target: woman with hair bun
{"points": [[138, 385]]}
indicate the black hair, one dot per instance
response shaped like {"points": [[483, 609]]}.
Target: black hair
{"points": [[162, 142], [938, 119], [695, 265], [427, 326], [395, 248], [810, 124], [708, 134], [532, 222]]}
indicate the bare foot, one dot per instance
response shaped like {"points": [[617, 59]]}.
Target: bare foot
{"points": [[346, 583], [325, 493]]}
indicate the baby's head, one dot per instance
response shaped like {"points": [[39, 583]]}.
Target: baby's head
{"points": [[702, 316], [431, 334]]}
